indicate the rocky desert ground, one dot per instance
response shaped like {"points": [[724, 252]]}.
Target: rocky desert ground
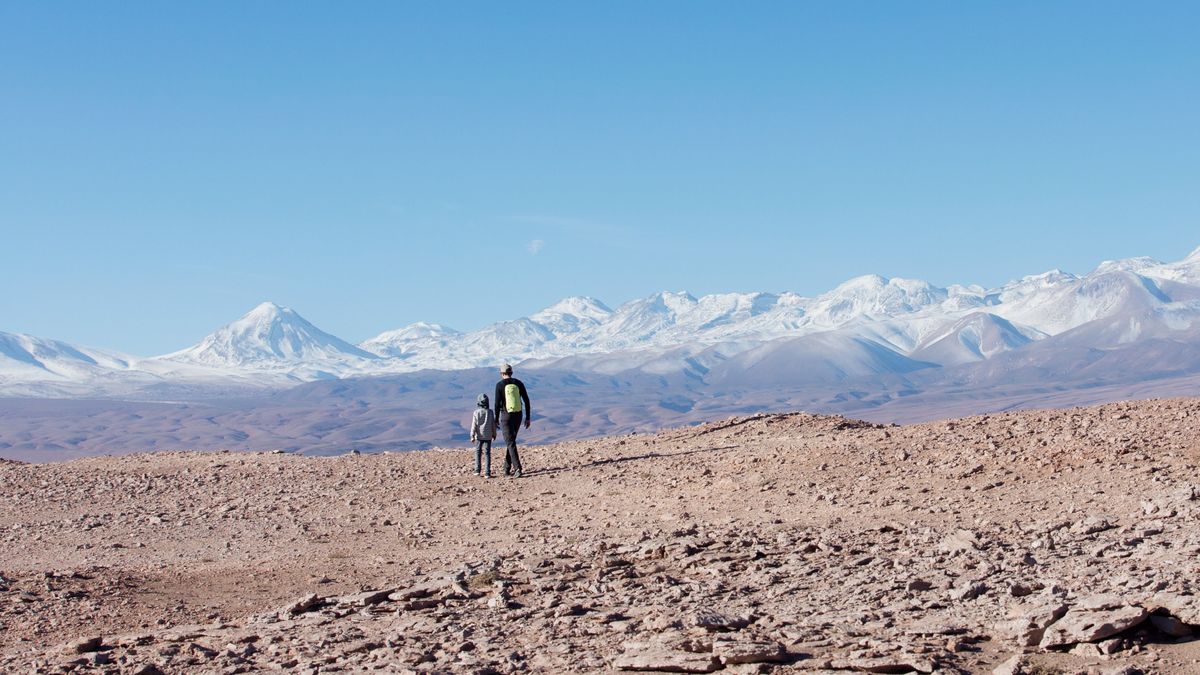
{"points": [[1057, 541]]}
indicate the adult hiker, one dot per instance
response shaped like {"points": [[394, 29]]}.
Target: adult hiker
{"points": [[512, 403]]}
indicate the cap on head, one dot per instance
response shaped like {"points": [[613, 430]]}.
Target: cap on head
{"points": [[506, 369]]}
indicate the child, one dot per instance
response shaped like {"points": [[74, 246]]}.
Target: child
{"points": [[483, 432]]}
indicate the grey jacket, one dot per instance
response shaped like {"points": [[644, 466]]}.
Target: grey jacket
{"points": [[483, 425]]}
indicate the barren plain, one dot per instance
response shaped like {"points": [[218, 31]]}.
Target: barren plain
{"points": [[1027, 542]]}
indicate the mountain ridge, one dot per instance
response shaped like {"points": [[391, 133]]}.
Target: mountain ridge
{"points": [[272, 346]]}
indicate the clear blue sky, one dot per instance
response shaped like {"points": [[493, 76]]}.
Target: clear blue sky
{"points": [[165, 166]]}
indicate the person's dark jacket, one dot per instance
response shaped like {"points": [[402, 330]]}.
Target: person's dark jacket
{"points": [[499, 398]]}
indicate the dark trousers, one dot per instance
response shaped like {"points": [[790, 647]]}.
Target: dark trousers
{"points": [[484, 449], [511, 423]]}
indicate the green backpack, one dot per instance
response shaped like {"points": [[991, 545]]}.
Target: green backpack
{"points": [[512, 398]]}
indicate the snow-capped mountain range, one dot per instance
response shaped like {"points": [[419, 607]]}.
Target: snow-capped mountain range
{"points": [[868, 324]]}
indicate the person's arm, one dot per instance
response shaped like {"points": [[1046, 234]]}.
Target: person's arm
{"points": [[525, 399], [474, 426], [498, 397]]}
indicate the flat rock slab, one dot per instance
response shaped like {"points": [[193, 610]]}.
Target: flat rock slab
{"points": [[184, 633], [1015, 665], [960, 541], [897, 663], [734, 650], [1104, 601], [1183, 607], [1029, 627], [302, 605], [1092, 625], [936, 626], [647, 656], [85, 645], [424, 590], [365, 598]]}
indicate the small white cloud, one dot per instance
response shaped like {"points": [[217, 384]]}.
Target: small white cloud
{"points": [[535, 247]]}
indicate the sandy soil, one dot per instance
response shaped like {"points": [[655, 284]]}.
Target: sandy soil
{"points": [[1039, 541]]}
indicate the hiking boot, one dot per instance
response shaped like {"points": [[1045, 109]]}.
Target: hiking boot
{"points": [[519, 474]]}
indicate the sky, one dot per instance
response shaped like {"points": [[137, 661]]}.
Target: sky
{"points": [[165, 167]]}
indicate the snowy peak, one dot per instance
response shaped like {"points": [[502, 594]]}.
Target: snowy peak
{"points": [[54, 356], [1135, 265], [572, 315], [867, 283], [268, 336], [872, 295], [1043, 280], [577, 306], [1186, 271], [728, 309], [39, 367], [33, 352], [639, 320], [975, 337], [427, 330], [268, 311], [666, 303], [402, 341], [1097, 296]]}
